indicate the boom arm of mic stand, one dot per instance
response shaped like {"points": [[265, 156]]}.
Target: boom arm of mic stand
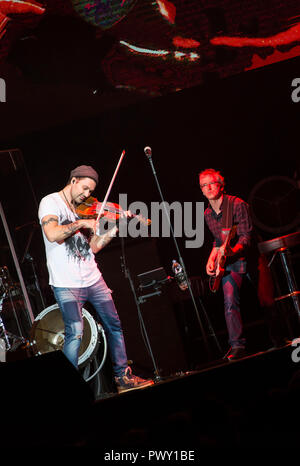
{"points": [[179, 255]]}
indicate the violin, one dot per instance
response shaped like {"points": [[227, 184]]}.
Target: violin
{"points": [[112, 212]]}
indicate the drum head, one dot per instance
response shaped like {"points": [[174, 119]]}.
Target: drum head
{"points": [[48, 334]]}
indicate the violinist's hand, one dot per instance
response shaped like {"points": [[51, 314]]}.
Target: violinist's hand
{"points": [[126, 214], [90, 224], [98, 241]]}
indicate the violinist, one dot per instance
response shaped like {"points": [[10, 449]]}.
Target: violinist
{"points": [[74, 276]]}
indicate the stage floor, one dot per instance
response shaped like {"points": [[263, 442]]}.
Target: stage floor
{"points": [[250, 402], [225, 404]]}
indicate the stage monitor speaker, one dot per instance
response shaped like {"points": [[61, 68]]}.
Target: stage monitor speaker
{"points": [[44, 401]]}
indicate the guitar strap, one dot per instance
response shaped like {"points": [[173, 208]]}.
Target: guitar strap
{"points": [[227, 213]]}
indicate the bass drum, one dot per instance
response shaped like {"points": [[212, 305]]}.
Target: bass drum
{"points": [[48, 334]]}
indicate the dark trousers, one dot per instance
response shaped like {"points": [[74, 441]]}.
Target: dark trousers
{"points": [[231, 283], [261, 280]]}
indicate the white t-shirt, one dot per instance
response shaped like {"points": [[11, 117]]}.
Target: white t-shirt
{"points": [[71, 264]]}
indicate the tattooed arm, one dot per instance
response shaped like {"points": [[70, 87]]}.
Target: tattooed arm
{"points": [[58, 233], [99, 242]]}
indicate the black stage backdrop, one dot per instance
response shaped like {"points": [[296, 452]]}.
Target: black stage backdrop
{"points": [[247, 126]]}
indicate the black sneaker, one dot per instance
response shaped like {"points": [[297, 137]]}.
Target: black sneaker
{"points": [[131, 382], [236, 353], [227, 354]]}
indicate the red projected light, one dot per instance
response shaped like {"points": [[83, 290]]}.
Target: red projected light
{"points": [[185, 43], [283, 38], [167, 10]]}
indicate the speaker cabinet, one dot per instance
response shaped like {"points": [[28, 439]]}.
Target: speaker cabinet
{"points": [[157, 311]]}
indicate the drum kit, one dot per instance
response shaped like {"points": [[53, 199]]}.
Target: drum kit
{"points": [[8, 289], [47, 332]]}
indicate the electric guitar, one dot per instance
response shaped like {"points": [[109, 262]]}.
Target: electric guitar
{"points": [[220, 262]]}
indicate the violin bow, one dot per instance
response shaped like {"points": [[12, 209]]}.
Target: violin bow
{"points": [[110, 186]]}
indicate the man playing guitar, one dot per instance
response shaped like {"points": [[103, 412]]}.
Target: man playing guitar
{"points": [[212, 186]]}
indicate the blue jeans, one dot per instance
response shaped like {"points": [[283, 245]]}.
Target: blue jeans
{"points": [[231, 284], [71, 301]]}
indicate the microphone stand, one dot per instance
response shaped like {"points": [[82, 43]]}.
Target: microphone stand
{"points": [[29, 258], [148, 153], [126, 272]]}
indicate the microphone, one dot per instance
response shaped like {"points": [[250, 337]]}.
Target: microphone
{"points": [[148, 152]]}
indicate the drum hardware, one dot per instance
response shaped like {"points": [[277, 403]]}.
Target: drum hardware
{"points": [[47, 334], [288, 295], [5, 280], [9, 289], [3, 331], [281, 246], [30, 259], [6, 335], [2, 350], [27, 257], [29, 313], [14, 290]]}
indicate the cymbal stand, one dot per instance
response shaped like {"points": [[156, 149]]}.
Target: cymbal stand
{"points": [[5, 334], [3, 331], [16, 318], [29, 312], [30, 259]]}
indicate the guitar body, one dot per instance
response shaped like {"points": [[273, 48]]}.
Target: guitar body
{"points": [[220, 263], [215, 281]]}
